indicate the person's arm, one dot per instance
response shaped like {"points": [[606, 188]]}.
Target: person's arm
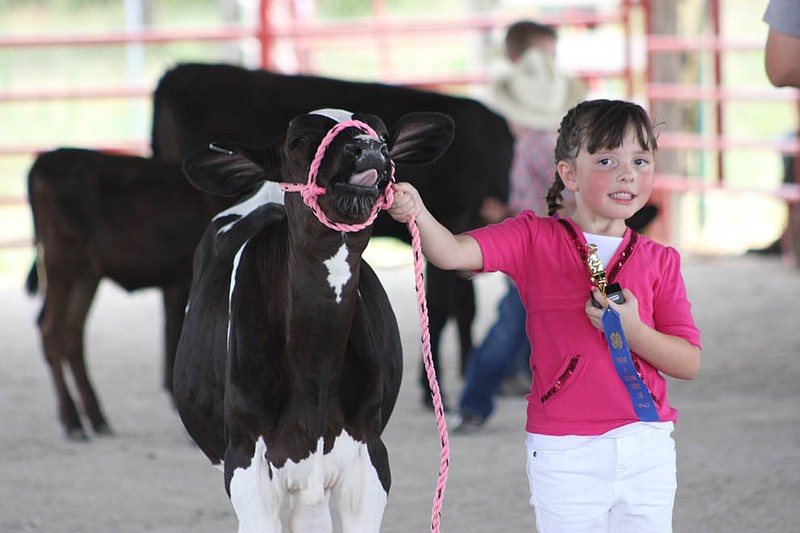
{"points": [[439, 245], [672, 355], [782, 59]]}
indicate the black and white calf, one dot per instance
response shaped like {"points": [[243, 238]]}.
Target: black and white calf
{"points": [[195, 104], [289, 362]]}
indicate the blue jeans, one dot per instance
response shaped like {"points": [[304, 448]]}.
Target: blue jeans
{"points": [[489, 363]]}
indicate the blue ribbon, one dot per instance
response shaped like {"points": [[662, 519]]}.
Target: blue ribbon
{"points": [[642, 401]]}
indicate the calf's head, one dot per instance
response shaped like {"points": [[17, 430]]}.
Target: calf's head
{"points": [[352, 173]]}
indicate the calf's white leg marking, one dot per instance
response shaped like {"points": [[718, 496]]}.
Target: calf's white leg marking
{"points": [[358, 494], [257, 508], [309, 489], [345, 476], [338, 271]]}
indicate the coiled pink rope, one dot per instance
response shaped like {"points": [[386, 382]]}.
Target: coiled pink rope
{"points": [[310, 192]]}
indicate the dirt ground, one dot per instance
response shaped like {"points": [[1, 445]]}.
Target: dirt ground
{"points": [[738, 435]]}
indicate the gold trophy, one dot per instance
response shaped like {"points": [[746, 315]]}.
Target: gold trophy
{"points": [[611, 292], [596, 268]]}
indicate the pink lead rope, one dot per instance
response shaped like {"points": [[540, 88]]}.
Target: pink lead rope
{"points": [[310, 192], [438, 406]]}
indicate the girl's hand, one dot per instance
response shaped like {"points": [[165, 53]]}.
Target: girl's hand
{"points": [[672, 355], [407, 202], [594, 314], [628, 312]]}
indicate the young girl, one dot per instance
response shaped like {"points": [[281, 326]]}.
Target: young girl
{"points": [[596, 462]]}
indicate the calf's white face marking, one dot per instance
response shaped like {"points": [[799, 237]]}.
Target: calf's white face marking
{"points": [[338, 271], [337, 115], [345, 474]]}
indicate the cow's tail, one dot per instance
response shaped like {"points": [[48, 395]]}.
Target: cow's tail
{"points": [[37, 278], [32, 281]]}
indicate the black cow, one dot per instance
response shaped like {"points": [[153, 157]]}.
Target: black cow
{"points": [[289, 363], [195, 104], [134, 220]]}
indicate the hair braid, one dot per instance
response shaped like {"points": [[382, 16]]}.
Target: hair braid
{"points": [[567, 145], [554, 199]]}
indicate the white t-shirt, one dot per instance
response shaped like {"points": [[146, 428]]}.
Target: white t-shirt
{"points": [[606, 246]]}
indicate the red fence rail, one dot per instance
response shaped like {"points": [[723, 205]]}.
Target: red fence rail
{"points": [[307, 34]]}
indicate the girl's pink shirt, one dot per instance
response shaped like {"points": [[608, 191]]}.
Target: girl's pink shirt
{"points": [[576, 390]]}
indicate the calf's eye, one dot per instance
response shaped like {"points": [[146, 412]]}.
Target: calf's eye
{"points": [[296, 142]]}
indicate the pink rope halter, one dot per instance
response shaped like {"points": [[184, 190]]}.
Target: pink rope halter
{"points": [[311, 191]]}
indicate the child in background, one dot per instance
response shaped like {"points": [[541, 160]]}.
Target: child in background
{"points": [[600, 458], [533, 96]]}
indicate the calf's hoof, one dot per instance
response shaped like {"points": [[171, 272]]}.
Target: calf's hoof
{"points": [[102, 429], [77, 435]]}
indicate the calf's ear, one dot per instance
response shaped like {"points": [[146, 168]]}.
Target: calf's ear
{"points": [[420, 138], [229, 169]]}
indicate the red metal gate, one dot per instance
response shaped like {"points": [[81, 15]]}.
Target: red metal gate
{"points": [[302, 35]]}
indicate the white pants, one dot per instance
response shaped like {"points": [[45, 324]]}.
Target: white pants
{"points": [[608, 485]]}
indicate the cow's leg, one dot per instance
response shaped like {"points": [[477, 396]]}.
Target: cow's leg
{"points": [[465, 315], [175, 298], [362, 494], [311, 518], [252, 490], [310, 501], [53, 331], [81, 295], [439, 291]]}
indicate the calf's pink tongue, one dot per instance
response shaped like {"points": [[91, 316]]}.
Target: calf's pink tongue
{"points": [[365, 178]]}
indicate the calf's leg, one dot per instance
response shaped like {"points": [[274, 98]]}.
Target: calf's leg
{"points": [[81, 296], [449, 294], [465, 315], [251, 489], [311, 518], [439, 292], [362, 495], [52, 330], [61, 322]]}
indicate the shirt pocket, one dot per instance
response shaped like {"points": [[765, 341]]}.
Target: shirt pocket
{"points": [[566, 375]]}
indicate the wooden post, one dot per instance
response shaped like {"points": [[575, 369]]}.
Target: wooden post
{"points": [[665, 67]]}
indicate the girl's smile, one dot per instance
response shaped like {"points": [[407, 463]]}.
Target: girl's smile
{"points": [[610, 185], [623, 197]]}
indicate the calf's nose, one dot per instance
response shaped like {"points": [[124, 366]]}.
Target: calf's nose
{"points": [[367, 153], [353, 151]]}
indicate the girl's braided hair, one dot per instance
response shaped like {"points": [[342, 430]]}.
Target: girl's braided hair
{"points": [[594, 125]]}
